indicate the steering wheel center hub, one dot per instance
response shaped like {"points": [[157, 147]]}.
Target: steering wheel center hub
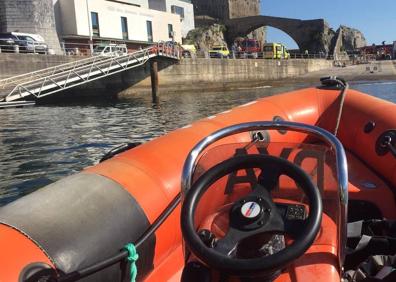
{"points": [[250, 213], [251, 210]]}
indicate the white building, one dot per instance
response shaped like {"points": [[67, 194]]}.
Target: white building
{"points": [[124, 20], [184, 8]]}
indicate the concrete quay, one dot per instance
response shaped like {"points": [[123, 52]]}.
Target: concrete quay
{"points": [[376, 70]]}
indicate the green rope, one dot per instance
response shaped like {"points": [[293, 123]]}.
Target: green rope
{"points": [[132, 258]]}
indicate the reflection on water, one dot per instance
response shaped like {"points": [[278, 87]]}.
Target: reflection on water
{"points": [[42, 144]]}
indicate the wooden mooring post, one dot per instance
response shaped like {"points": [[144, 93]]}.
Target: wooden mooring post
{"points": [[154, 80]]}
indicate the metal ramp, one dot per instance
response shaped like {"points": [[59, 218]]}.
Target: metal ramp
{"points": [[52, 80]]}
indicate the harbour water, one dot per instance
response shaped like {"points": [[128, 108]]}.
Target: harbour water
{"points": [[42, 144]]}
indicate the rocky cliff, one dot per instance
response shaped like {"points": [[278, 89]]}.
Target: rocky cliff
{"points": [[205, 37], [344, 40], [352, 38]]}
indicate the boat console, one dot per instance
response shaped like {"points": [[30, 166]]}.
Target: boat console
{"points": [[264, 210]]}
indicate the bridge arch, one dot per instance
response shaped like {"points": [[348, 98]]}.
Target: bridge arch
{"points": [[303, 32], [276, 35]]}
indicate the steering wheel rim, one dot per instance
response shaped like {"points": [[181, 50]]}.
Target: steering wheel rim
{"points": [[255, 266]]}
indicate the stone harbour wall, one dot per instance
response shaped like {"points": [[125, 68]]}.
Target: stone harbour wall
{"points": [[16, 64], [219, 75], [187, 75]]}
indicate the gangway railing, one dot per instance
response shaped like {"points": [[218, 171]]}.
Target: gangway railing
{"points": [[15, 80], [52, 80]]}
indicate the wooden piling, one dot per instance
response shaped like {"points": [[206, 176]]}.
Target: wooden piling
{"points": [[154, 80]]}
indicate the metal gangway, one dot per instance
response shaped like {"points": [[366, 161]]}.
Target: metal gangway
{"points": [[55, 79]]}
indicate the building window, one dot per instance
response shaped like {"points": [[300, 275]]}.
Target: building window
{"points": [[124, 28], [149, 31], [170, 31], [95, 24], [178, 10]]}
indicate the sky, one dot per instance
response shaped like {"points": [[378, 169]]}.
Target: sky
{"points": [[376, 19]]}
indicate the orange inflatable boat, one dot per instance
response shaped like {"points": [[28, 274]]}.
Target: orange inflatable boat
{"points": [[293, 187]]}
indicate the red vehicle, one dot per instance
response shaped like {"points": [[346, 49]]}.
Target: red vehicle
{"points": [[378, 52], [250, 48]]}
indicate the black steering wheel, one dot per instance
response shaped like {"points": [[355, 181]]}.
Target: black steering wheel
{"points": [[254, 214]]}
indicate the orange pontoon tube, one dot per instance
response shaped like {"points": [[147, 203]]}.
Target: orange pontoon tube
{"points": [[262, 205]]}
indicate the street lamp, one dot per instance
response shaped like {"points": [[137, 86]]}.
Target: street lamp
{"points": [[89, 28]]}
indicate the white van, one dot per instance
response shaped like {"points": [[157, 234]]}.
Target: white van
{"points": [[110, 50]]}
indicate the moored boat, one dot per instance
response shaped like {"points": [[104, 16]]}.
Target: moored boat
{"points": [[262, 192]]}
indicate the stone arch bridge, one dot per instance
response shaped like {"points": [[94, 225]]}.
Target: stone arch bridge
{"points": [[308, 34]]}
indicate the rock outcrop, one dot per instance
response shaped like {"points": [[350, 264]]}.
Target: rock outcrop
{"points": [[205, 37], [327, 38], [352, 38], [345, 41]]}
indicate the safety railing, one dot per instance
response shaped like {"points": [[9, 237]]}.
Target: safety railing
{"points": [[15, 80], [254, 55], [84, 49], [53, 80], [77, 49]]}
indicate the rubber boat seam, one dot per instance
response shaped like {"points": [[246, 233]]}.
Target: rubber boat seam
{"points": [[134, 164], [32, 240], [212, 122], [130, 162]]}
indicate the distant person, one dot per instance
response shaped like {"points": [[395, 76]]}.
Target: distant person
{"points": [[234, 49]]}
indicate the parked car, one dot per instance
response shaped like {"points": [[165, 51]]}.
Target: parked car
{"points": [[6, 43], [27, 42], [110, 50], [219, 51], [38, 42], [188, 51]]}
